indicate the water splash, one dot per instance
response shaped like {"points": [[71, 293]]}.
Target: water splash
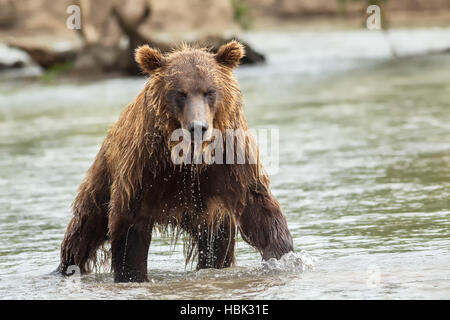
{"points": [[291, 262]]}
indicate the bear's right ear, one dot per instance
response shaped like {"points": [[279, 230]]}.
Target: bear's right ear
{"points": [[148, 58]]}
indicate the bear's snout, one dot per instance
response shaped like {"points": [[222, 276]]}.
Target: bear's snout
{"points": [[198, 129]]}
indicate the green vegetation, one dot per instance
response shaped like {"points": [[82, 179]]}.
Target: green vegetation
{"points": [[52, 74], [242, 13]]}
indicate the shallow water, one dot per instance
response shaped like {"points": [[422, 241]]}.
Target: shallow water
{"points": [[364, 175]]}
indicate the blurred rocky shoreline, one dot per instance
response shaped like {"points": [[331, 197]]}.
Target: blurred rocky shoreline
{"points": [[37, 33]]}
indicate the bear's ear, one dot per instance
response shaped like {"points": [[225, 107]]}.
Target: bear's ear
{"points": [[148, 58], [230, 54]]}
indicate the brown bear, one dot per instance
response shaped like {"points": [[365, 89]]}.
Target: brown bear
{"points": [[133, 186]]}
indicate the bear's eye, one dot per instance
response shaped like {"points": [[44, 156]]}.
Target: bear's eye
{"points": [[181, 94], [210, 93]]}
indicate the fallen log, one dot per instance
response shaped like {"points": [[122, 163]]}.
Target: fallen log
{"points": [[45, 57], [98, 59]]}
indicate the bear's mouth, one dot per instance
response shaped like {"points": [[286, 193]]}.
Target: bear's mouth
{"points": [[204, 142]]}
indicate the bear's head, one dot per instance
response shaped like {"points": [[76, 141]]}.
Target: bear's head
{"points": [[194, 88]]}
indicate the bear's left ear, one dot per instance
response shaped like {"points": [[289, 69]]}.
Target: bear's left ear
{"points": [[230, 54], [148, 58]]}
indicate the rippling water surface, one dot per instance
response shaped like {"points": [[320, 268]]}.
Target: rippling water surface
{"points": [[364, 175]]}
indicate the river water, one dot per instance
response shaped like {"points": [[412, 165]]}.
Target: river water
{"points": [[364, 174]]}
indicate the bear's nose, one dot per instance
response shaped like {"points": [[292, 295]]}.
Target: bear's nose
{"points": [[198, 129]]}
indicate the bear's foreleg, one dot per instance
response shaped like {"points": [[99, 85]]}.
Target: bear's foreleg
{"points": [[131, 234], [216, 246], [263, 225], [87, 231]]}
